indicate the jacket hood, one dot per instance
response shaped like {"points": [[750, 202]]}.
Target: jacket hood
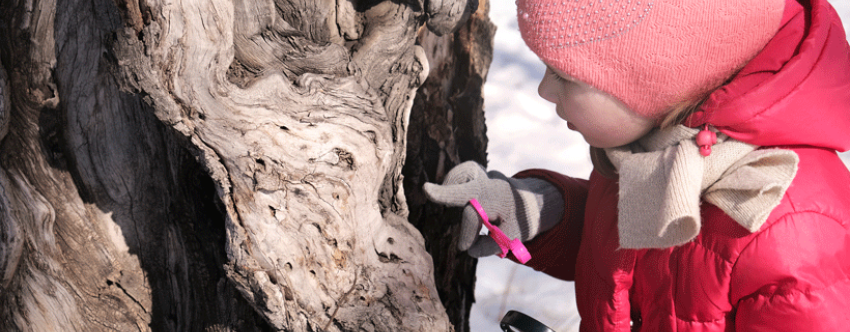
{"points": [[796, 91]]}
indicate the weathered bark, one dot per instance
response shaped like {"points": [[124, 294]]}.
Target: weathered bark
{"points": [[233, 165], [447, 128]]}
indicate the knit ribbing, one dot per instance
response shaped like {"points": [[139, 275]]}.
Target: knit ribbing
{"points": [[650, 54]]}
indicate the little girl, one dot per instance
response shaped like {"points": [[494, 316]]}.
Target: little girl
{"points": [[717, 200]]}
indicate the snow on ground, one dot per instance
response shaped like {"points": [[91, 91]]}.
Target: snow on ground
{"points": [[525, 132]]}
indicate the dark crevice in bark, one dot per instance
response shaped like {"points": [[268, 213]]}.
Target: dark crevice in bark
{"points": [[142, 210], [447, 128], [200, 223], [51, 132]]}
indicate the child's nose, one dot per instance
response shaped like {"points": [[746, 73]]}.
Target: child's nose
{"points": [[546, 89]]}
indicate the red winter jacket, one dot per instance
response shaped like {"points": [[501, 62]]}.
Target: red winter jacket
{"points": [[791, 275]]}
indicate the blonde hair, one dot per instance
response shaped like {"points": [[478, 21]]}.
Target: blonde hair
{"points": [[680, 112]]}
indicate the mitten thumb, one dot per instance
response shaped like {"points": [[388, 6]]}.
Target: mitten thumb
{"points": [[484, 246], [456, 195]]}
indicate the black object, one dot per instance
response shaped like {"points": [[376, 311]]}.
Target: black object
{"points": [[515, 321]]}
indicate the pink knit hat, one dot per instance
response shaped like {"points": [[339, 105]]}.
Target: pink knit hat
{"points": [[650, 54]]}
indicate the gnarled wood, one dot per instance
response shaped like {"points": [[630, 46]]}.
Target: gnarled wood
{"points": [[217, 165]]}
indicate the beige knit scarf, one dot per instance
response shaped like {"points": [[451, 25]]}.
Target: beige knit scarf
{"points": [[662, 178]]}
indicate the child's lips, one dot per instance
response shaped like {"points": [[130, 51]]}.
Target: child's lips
{"points": [[562, 116]]}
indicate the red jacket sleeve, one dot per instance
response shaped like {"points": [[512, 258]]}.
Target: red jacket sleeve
{"points": [[554, 252], [795, 276]]}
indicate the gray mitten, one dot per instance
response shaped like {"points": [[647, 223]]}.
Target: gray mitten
{"points": [[521, 208]]}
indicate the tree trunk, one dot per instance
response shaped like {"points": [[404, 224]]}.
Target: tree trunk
{"points": [[235, 165], [447, 128]]}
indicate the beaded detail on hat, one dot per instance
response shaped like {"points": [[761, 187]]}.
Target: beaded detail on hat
{"points": [[667, 52], [575, 22]]}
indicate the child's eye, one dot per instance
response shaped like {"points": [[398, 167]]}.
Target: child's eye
{"points": [[555, 75], [559, 78]]}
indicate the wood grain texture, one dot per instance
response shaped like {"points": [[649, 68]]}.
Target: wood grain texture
{"points": [[214, 165]]}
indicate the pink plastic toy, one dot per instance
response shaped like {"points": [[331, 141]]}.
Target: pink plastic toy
{"points": [[705, 139], [505, 243]]}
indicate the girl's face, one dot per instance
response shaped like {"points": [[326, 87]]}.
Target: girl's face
{"points": [[603, 120]]}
